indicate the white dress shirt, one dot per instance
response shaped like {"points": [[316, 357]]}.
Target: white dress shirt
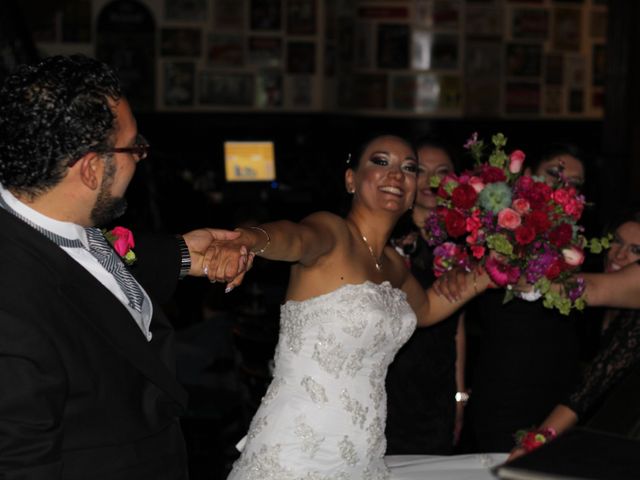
{"points": [[84, 257]]}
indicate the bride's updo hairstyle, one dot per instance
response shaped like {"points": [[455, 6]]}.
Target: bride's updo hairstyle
{"points": [[354, 155]]}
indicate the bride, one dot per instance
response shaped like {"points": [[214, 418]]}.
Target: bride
{"points": [[350, 305]]}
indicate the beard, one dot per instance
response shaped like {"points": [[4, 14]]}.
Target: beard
{"points": [[107, 207]]}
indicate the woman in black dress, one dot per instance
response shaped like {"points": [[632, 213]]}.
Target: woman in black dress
{"points": [[619, 354], [527, 354], [423, 416]]}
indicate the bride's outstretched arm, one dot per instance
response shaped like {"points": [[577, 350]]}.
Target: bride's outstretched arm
{"points": [[431, 307], [302, 242]]}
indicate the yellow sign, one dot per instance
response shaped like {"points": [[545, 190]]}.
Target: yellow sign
{"points": [[249, 161]]}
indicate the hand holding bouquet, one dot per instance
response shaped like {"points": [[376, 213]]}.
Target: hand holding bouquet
{"points": [[514, 225]]}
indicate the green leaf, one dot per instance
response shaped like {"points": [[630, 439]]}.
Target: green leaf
{"points": [[499, 140], [508, 296]]}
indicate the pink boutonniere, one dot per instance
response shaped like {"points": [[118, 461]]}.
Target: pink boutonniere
{"points": [[122, 241]]}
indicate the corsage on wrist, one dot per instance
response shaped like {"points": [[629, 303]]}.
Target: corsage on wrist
{"points": [[121, 239], [529, 440]]}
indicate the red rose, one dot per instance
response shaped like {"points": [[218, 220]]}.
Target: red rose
{"points": [[554, 270], [524, 183], [464, 196], [455, 223], [477, 251], [538, 196], [491, 174], [574, 208], [539, 221], [561, 235], [561, 196], [525, 234]]}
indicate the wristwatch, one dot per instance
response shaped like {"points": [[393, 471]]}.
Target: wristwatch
{"points": [[185, 257], [462, 397]]}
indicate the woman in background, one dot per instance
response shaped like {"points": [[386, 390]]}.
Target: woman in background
{"points": [[619, 353], [528, 354], [425, 383]]}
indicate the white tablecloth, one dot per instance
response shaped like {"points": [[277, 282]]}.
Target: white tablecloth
{"points": [[435, 467]]}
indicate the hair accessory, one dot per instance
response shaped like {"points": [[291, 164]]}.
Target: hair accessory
{"points": [[349, 159], [266, 245]]}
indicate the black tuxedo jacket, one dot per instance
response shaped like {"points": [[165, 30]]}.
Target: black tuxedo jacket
{"points": [[83, 395]]}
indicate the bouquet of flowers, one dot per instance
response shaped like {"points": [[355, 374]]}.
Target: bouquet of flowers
{"points": [[514, 225]]}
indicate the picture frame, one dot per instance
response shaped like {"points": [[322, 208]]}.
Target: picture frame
{"points": [[301, 57], [264, 51], [393, 46], [522, 98], [523, 60], [265, 15], [301, 17], [225, 49], [185, 10], [228, 15], [530, 24], [226, 89], [567, 29], [180, 42], [179, 84]]}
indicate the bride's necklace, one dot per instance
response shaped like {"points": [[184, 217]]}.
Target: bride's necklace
{"points": [[377, 262]]}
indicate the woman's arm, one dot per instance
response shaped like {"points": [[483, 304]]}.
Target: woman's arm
{"points": [[432, 307], [617, 289]]}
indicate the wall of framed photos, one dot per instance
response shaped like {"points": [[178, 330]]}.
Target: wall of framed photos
{"points": [[440, 58]]}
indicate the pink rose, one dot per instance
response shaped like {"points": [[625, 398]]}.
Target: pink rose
{"points": [[516, 159], [573, 256], [574, 208], [561, 196], [477, 251], [521, 205], [509, 219], [123, 241], [476, 183]]}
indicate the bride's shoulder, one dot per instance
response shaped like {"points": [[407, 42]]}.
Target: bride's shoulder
{"points": [[326, 220]]}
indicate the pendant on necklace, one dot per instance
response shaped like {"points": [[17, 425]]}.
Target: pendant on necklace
{"points": [[373, 255]]}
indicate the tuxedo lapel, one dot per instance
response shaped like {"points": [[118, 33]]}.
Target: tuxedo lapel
{"points": [[96, 305]]}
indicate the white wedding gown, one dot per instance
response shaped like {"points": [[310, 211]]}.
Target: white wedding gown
{"points": [[323, 416]]}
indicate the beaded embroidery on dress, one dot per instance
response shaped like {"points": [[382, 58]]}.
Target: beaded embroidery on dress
{"points": [[323, 416]]}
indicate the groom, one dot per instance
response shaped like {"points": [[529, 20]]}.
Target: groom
{"points": [[87, 380]]}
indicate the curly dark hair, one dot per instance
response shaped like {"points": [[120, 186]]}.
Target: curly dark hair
{"points": [[51, 114]]}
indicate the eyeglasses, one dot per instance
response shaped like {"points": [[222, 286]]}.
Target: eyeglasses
{"points": [[140, 149]]}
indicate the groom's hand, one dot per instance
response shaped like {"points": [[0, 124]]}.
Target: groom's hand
{"points": [[204, 247]]}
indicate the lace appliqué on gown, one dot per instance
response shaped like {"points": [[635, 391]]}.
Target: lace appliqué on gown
{"points": [[323, 416]]}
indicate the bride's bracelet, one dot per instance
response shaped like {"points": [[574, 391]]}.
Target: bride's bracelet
{"points": [[266, 245], [529, 440]]}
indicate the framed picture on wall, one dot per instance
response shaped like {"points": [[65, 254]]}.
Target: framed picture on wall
{"points": [[553, 69], [226, 89], [576, 100], [567, 30], [301, 57], [300, 90], [266, 14], [524, 60], [598, 64], [482, 83], [364, 44], [553, 100], [301, 17], [444, 51], [446, 14], [598, 24], [180, 42], [228, 14], [190, 10], [529, 23], [393, 46], [225, 49], [269, 89], [522, 98], [179, 83], [264, 51], [403, 92], [483, 21]]}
